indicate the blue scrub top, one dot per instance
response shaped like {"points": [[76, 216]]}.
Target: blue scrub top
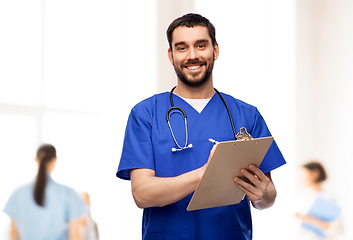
{"points": [[62, 204], [148, 143]]}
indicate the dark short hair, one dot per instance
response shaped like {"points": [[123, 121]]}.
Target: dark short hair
{"points": [[191, 20], [316, 166]]}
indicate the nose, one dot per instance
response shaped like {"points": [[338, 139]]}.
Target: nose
{"points": [[192, 54]]}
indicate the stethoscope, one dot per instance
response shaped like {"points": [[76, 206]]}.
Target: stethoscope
{"points": [[181, 111]]}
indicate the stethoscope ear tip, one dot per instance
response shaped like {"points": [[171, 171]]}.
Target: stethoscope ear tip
{"points": [[190, 145]]}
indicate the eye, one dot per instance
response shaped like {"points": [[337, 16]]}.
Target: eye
{"points": [[181, 48], [201, 46]]}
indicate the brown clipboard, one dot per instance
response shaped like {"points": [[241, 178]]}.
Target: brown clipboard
{"points": [[216, 187]]}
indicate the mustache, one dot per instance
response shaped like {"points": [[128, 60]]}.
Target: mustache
{"points": [[193, 62]]}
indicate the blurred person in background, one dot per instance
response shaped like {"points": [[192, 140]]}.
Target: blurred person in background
{"points": [[319, 214], [44, 209], [88, 228]]}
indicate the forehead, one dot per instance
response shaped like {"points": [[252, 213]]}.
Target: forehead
{"points": [[190, 34]]}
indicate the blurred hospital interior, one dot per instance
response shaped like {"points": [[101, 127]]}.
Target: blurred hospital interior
{"points": [[71, 70]]}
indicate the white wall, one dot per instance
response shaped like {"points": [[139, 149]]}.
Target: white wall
{"points": [[324, 82], [167, 12], [257, 65], [72, 70]]}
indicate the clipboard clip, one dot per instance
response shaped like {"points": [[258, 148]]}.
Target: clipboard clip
{"points": [[243, 135]]}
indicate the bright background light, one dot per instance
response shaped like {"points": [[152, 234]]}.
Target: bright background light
{"points": [[257, 65], [71, 70]]}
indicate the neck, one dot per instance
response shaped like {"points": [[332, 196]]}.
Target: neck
{"points": [[316, 187], [201, 92]]}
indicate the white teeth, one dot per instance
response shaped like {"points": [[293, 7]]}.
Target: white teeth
{"points": [[193, 67]]}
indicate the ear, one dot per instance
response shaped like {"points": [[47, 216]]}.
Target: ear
{"points": [[316, 174], [216, 50], [170, 56]]}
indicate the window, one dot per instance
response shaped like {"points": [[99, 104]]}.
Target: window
{"points": [[70, 73]]}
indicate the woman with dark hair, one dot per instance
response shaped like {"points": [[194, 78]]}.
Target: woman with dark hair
{"points": [[44, 209], [317, 174], [321, 218]]}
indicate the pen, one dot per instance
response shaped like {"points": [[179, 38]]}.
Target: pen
{"points": [[212, 141]]}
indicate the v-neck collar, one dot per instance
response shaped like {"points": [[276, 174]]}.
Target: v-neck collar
{"points": [[189, 107], [192, 115], [197, 104]]}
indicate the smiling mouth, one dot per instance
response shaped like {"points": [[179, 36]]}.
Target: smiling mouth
{"points": [[193, 67]]}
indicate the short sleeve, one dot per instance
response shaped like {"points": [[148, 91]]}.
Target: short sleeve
{"points": [[273, 158], [137, 148], [75, 205], [11, 207]]}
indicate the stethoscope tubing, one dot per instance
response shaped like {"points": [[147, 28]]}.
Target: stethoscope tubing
{"points": [[169, 112], [230, 115]]}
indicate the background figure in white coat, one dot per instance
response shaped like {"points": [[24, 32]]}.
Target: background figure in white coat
{"points": [[320, 215]]}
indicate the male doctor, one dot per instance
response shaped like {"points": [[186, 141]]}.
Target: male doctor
{"points": [[163, 180]]}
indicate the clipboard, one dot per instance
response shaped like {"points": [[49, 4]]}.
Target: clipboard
{"points": [[216, 187], [324, 209]]}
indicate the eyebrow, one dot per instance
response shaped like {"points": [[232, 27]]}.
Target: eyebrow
{"points": [[198, 41]]}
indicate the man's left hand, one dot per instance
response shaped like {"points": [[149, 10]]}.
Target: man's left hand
{"points": [[255, 183]]}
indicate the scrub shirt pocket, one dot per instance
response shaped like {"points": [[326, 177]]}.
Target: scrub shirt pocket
{"points": [[241, 234], [177, 235]]}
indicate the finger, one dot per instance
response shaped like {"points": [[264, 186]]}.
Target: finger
{"points": [[211, 154], [251, 177], [249, 194], [213, 149], [260, 180], [258, 172], [256, 189], [246, 187]]}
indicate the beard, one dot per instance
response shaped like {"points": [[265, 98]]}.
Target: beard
{"points": [[198, 79]]}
